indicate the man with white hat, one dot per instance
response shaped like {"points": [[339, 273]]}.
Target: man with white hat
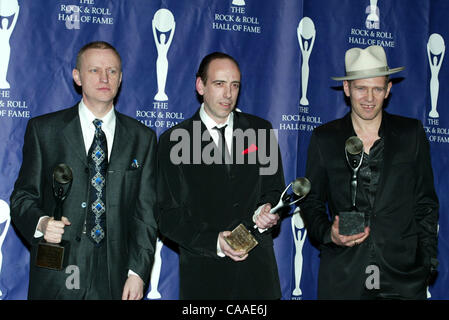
{"points": [[393, 254]]}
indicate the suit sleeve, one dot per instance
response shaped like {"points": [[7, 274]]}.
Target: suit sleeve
{"points": [[426, 208], [26, 198], [272, 173], [143, 227], [314, 205]]}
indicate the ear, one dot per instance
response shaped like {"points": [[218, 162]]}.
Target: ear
{"points": [[346, 88], [76, 76], [199, 85], [388, 89]]}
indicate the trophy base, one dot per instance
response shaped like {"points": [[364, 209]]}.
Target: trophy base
{"points": [[351, 222], [52, 255], [241, 239]]}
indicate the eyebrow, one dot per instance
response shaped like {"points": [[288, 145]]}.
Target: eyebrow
{"points": [[218, 80]]}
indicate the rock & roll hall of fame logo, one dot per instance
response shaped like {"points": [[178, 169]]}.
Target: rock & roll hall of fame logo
{"points": [[435, 54], [9, 12], [163, 26], [306, 37], [372, 20], [299, 233]]}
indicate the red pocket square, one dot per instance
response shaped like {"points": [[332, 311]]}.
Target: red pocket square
{"points": [[251, 148]]}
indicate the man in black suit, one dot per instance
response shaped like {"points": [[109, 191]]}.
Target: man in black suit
{"points": [[396, 252], [203, 196], [108, 215]]}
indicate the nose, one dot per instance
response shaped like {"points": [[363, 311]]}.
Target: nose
{"points": [[227, 92], [370, 94], [104, 77]]}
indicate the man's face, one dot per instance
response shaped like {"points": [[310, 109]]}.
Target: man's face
{"points": [[367, 96], [99, 76], [221, 89]]}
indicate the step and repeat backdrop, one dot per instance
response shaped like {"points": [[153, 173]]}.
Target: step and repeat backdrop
{"points": [[287, 50]]}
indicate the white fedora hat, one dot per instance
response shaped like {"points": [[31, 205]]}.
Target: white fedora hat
{"points": [[366, 63]]}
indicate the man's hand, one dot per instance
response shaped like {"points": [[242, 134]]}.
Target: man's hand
{"points": [[347, 241], [133, 288], [53, 229], [227, 250], [265, 219]]}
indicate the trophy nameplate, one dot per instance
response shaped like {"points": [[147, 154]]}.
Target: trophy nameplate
{"points": [[241, 239], [52, 255], [351, 222]]}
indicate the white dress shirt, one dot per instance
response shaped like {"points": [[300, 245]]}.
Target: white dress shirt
{"points": [[210, 124], [88, 128]]}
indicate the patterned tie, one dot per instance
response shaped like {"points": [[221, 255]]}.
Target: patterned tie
{"points": [[97, 160], [223, 146]]}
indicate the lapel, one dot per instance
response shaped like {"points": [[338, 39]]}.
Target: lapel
{"points": [[347, 130], [73, 135], [390, 134], [122, 138], [240, 122]]}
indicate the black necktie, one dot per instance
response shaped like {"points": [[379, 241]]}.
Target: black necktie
{"points": [[222, 146], [97, 160]]}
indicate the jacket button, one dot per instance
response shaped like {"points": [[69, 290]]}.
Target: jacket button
{"points": [[83, 205], [86, 170]]}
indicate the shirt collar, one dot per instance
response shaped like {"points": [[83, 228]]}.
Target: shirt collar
{"points": [[87, 116], [210, 123]]}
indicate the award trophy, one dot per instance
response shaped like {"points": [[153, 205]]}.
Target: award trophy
{"points": [[353, 221], [243, 239], [54, 255]]}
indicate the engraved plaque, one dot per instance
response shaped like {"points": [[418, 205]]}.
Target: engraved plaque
{"points": [[52, 255], [241, 239]]}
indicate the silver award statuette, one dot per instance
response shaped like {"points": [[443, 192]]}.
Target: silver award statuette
{"points": [[352, 221], [54, 255], [243, 239], [300, 187]]}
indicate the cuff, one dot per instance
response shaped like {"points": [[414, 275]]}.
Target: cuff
{"points": [[37, 233], [256, 214], [132, 273], [219, 251]]}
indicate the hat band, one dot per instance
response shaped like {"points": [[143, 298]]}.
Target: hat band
{"points": [[366, 72]]}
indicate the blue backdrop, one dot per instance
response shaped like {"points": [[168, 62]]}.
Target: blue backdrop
{"points": [[287, 50]]}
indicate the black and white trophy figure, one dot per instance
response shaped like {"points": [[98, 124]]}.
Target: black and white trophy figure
{"points": [[352, 221], [242, 238], [300, 188], [54, 255]]}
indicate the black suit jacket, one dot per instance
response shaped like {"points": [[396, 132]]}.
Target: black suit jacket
{"points": [[56, 138], [197, 201], [403, 219]]}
